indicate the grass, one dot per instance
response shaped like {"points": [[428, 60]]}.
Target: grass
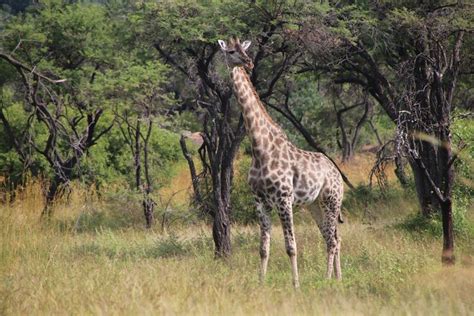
{"points": [[94, 257]]}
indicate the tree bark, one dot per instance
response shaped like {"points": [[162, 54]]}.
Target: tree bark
{"points": [[51, 195], [221, 230], [447, 257], [192, 169], [148, 202], [400, 171], [415, 90], [428, 202], [221, 167], [136, 157]]}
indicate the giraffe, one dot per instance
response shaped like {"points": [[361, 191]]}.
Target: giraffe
{"points": [[281, 175]]}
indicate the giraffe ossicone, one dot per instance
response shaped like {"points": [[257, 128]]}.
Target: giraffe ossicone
{"points": [[282, 175]]}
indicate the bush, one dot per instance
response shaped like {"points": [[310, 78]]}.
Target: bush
{"points": [[364, 199], [433, 226], [242, 199]]}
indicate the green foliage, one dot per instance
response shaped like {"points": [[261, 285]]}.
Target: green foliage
{"points": [[463, 131], [463, 192], [171, 247], [371, 204], [242, 198], [94, 47], [316, 112], [421, 225], [166, 152], [193, 22], [106, 52], [11, 166], [185, 120]]}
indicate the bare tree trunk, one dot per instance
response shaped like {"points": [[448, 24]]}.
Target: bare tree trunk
{"points": [[51, 195], [192, 169], [148, 202], [221, 229], [221, 166], [345, 144], [446, 164], [136, 157], [134, 138], [447, 257], [349, 142], [428, 202], [379, 140], [62, 176], [440, 186], [400, 171]]}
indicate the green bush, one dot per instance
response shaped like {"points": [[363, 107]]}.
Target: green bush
{"points": [[242, 199], [433, 226]]}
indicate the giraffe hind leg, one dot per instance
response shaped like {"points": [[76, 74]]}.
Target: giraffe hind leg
{"points": [[326, 213], [331, 253]]}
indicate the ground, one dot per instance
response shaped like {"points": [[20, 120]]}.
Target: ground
{"points": [[94, 258]]}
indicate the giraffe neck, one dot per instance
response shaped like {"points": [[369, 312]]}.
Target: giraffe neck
{"points": [[259, 124]]}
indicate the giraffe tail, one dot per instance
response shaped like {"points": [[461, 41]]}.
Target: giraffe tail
{"points": [[340, 219]]}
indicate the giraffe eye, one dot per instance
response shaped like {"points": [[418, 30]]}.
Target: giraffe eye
{"points": [[231, 52]]}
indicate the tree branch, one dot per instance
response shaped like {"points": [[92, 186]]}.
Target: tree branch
{"points": [[22, 66]]}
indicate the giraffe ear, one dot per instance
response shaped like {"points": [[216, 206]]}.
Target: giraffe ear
{"points": [[246, 45], [222, 44]]}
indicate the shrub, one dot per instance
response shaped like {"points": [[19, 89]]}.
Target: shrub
{"points": [[433, 226], [242, 199]]}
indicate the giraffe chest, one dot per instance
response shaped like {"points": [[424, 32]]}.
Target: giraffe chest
{"points": [[269, 176]]}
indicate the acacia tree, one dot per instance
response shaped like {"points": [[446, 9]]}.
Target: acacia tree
{"points": [[57, 52], [137, 89], [185, 35], [408, 58]]}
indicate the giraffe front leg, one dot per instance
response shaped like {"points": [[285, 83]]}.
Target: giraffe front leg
{"points": [[265, 230], [285, 212]]}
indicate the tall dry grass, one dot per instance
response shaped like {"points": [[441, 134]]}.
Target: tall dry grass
{"points": [[95, 257]]}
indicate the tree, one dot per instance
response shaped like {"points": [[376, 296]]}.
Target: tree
{"points": [[185, 34], [137, 89], [407, 56], [57, 53], [349, 138], [15, 5]]}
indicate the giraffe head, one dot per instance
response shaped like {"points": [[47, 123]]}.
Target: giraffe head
{"points": [[235, 53]]}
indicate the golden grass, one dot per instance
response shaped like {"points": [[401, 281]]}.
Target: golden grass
{"points": [[358, 169], [180, 187], [95, 257], [131, 271]]}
